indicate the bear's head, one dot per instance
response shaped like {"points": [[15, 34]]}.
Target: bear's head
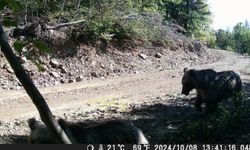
{"points": [[40, 133], [188, 81]]}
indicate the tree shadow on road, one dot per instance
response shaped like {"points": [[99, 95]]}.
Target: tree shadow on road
{"points": [[14, 139], [160, 119], [174, 119]]}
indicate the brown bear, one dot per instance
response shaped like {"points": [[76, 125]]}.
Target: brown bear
{"points": [[211, 86], [108, 132]]}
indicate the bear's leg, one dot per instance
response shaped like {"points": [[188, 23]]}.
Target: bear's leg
{"points": [[210, 106], [211, 102], [198, 101]]}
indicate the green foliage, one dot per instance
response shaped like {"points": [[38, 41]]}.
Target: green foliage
{"points": [[40, 45], [13, 4], [194, 16], [37, 62], [18, 45], [16, 7], [237, 40], [43, 47], [9, 23], [40, 8], [2, 5], [104, 23], [152, 6], [212, 128], [208, 37], [241, 35], [118, 19], [224, 39], [121, 19], [102, 29]]}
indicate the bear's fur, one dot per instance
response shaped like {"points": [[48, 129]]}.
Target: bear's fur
{"points": [[211, 86], [108, 132]]}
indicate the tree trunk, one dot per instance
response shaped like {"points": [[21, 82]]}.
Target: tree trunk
{"points": [[32, 91], [78, 5]]}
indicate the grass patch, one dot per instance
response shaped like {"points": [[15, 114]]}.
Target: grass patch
{"points": [[110, 103]]}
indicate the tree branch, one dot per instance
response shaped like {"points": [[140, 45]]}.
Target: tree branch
{"points": [[65, 24]]}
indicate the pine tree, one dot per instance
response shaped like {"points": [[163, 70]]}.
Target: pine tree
{"points": [[193, 15]]}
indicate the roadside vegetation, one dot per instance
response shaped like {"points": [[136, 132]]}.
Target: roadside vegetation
{"points": [[113, 20], [237, 39], [220, 127], [109, 21]]}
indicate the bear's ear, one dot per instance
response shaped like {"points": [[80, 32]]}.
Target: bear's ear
{"points": [[32, 124], [192, 73], [185, 70]]}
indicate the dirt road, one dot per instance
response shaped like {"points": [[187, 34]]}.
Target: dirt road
{"points": [[133, 88], [117, 95]]}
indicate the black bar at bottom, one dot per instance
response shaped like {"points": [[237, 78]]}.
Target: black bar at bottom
{"points": [[129, 147]]}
